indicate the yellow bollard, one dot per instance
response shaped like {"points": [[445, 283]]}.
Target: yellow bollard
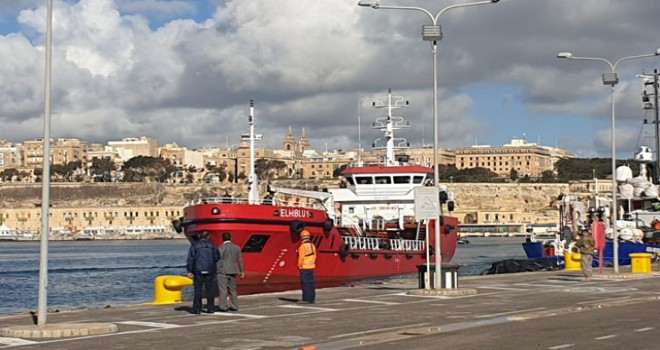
{"points": [[640, 262], [168, 289], [572, 261]]}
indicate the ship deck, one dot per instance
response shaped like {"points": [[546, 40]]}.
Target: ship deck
{"points": [[387, 316]]}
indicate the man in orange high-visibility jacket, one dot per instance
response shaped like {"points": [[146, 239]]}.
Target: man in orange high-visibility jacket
{"points": [[307, 266]]}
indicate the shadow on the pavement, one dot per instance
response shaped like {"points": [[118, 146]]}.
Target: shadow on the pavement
{"points": [[288, 300], [388, 288], [187, 309]]}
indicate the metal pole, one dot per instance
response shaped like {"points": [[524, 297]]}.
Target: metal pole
{"points": [[45, 182], [657, 127], [615, 204], [427, 278], [436, 177]]}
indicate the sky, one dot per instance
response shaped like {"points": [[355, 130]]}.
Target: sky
{"points": [[185, 71]]}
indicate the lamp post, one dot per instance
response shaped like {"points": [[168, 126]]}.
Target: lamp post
{"points": [[432, 33], [611, 79], [42, 301]]}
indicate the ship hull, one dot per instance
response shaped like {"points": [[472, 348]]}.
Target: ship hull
{"points": [[537, 251], [268, 240]]}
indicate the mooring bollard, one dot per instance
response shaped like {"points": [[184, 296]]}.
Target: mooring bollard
{"points": [[168, 289], [572, 261]]}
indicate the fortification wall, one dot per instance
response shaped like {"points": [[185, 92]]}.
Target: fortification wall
{"points": [[469, 196]]}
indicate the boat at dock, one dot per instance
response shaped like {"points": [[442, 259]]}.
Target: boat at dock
{"points": [[365, 229], [637, 225]]}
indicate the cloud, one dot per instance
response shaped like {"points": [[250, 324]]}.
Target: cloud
{"points": [[184, 71]]}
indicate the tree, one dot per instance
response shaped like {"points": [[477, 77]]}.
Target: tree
{"points": [[513, 175], [9, 174], [219, 171], [584, 169], [548, 176], [338, 170], [58, 171], [143, 168], [101, 169], [65, 172], [266, 169], [447, 172], [476, 175]]}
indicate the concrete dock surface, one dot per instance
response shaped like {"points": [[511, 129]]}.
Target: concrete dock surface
{"points": [[534, 310]]}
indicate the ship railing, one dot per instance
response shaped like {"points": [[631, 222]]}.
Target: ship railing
{"points": [[362, 243], [297, 203], [218, 200], [237, 200], [407, 244], [373, 243]]}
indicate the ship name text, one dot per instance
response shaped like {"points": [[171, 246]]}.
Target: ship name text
{"points": [[295, 213]]}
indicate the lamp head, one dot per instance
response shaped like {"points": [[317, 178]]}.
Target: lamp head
{"points": [[657, 52], [369, 3], [565, 55]]}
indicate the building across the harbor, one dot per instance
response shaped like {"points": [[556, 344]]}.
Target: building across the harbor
{"points": [[145, 222], [520, 156], [296, 160]]}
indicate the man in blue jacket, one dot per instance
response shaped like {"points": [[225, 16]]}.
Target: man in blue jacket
{"points": [[202, 257]]}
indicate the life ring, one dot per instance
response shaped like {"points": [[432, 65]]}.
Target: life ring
{"points": [[328, 225], [297, 226], [344, 250]]}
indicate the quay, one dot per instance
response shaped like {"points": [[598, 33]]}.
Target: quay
{"points": [[534, 310]]}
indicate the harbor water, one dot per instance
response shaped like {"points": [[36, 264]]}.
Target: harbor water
{"points": [[97, 274]]}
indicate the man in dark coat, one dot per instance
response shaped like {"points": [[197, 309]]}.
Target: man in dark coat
{"points": [[202, 257]]}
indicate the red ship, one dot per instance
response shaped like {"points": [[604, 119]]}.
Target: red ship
{"points": [[366, 229]]}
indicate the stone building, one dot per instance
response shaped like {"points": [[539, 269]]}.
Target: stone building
{"points": [[10, 155], [62, 151], [525, 158], [131, 147]]}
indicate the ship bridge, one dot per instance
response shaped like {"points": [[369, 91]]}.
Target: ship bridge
{"points": [[382, 181]]}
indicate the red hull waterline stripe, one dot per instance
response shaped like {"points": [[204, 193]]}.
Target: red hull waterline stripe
{"points": [[247, 221]]}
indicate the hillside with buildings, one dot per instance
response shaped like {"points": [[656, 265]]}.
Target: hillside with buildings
{"points": [[78, 201], [77, 161]]}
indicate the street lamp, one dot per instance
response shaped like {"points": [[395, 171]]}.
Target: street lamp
{"points": [[611, 79], [432, 33]]}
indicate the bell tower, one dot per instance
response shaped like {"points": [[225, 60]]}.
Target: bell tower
{"points": [[289, 142]]}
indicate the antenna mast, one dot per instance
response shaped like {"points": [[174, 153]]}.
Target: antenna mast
{"points": [[253, 181], [390, 123]]}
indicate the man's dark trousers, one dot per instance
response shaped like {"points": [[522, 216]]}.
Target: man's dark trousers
{"points": [[307, 282], [208, 282]]}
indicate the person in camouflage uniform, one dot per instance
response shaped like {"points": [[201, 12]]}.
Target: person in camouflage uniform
{"points": [[585, 244]]}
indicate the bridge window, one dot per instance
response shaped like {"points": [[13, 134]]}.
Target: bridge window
{"points": [[383, 180], [401, 179], [418, 179], [364, 180]]}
